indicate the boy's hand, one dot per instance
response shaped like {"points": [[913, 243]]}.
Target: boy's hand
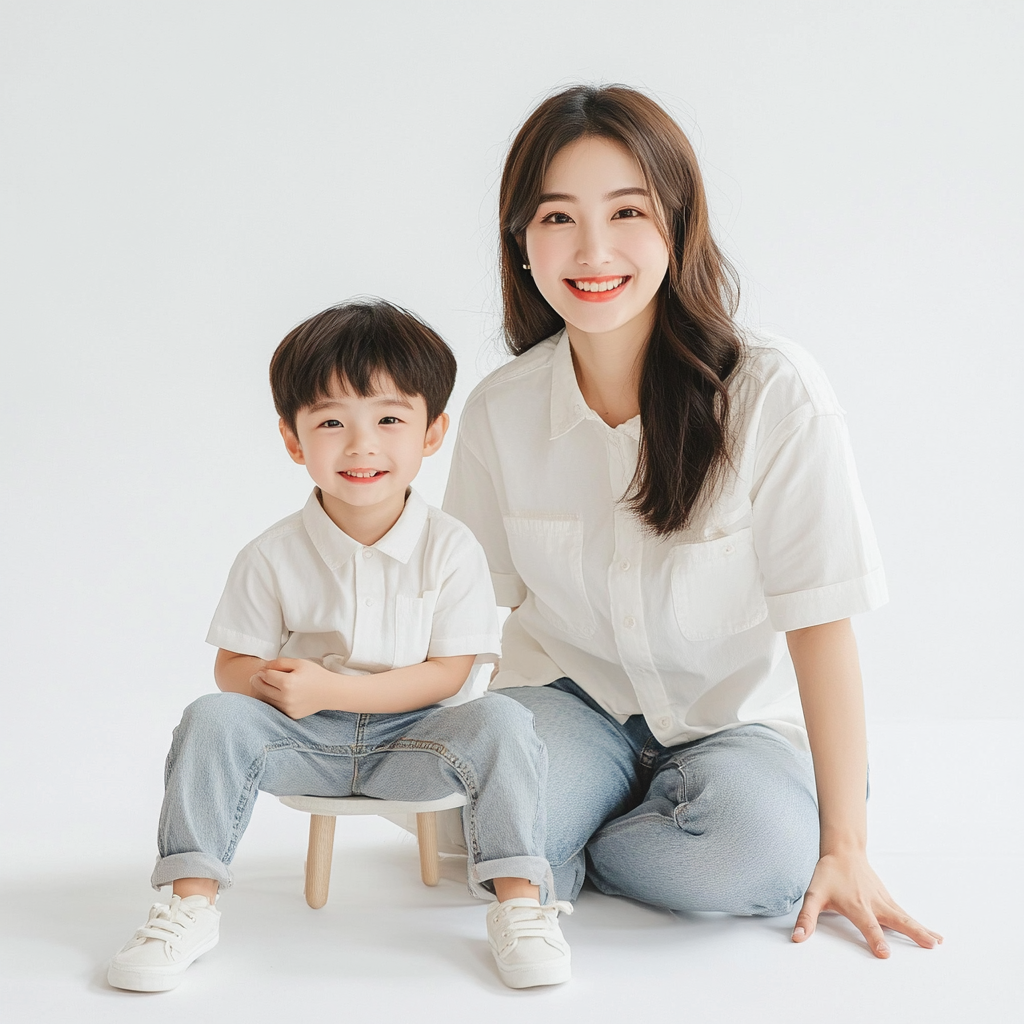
{"points": [[295, 687]]}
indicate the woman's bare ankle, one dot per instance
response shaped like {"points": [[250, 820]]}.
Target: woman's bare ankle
{"points": [[185, 887]]}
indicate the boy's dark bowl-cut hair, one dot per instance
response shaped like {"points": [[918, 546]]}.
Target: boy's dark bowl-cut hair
{"points": [[359, 342]]}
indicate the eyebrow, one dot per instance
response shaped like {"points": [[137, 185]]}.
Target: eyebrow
{"points": [[393, 400], [328, 403], [565, 197], [324, 403]]}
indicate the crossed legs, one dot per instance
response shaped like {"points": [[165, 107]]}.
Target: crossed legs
{"points": [[726, 823]]}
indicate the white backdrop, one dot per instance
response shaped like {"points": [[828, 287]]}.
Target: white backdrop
{"points": [[183, 182]]}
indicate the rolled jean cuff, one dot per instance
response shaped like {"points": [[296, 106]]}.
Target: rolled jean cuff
{"points": [[190, 865], [534, 869]]}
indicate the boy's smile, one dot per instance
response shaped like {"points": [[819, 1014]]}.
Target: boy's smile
{"points": [[363, 474], [363, 452]]}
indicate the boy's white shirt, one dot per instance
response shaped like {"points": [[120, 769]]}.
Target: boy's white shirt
{"points": [[305, 589]]}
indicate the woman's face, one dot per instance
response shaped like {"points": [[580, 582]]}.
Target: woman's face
{"points": [[595, 244]]}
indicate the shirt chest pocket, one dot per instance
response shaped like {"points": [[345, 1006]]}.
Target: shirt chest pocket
{"points": [[716, 587], [547, 552], [414, 617]]}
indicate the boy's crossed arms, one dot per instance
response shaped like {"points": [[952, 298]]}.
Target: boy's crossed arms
{"points": [[298, 688]]}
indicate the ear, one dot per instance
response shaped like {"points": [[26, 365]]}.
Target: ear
{"points": [[521, 242], [291, 443], [435, 434]]}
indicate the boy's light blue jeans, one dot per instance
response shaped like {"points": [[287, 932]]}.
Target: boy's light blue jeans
{"points": [[726, 823], [229, 746]]}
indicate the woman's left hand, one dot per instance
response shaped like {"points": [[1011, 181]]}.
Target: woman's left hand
{"points": [[828, 673], [847, 884]]}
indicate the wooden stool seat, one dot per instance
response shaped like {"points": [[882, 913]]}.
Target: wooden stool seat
{"points": [[324, 809]]}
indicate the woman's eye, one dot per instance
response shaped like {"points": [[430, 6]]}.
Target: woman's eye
{"points": [[556, 218], [627, 213], [389, 420]]}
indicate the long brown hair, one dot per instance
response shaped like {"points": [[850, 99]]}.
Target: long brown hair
{"points": [[694, 345]]}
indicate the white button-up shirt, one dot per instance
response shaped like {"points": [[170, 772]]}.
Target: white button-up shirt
{"points": [[685, 629], [305, 589]]}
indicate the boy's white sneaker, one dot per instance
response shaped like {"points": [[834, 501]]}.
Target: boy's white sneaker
{"points": [[527, 944], [159, 953]]}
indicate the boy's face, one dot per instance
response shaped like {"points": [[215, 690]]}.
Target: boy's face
{"points": [[364, 452]]}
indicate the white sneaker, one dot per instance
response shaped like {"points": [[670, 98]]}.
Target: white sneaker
{"points": [[527, 943], [159, 953]]}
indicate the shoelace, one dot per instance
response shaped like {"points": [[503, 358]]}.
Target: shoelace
{"points": [[523, 922], [163, 922]]}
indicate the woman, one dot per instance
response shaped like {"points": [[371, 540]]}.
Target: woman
{"points": [[661, 496]]}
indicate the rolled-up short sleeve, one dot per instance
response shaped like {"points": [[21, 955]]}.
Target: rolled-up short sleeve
{"points": [[471, 497], [465, 619], [815, 544], [249, 619]]}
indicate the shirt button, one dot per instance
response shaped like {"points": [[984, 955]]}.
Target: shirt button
{"points": [[624, 566], [664, 722], [728, 549], [368, 602], [367, 553], [629, 622]]}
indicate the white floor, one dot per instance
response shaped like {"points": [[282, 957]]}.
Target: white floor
{"points": [[946, 837]]}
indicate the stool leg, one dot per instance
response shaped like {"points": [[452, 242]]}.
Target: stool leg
{"points": [[318, 859], [426, 833]]}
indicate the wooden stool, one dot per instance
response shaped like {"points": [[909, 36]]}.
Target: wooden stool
{"points": [[324, 809]]}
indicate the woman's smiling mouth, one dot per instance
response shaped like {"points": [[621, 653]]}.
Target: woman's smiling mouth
{"points": [[596, 289]]}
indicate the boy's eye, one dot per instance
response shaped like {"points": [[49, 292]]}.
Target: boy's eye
{"points": [[556, 218], [388, 420], [331, 423]]}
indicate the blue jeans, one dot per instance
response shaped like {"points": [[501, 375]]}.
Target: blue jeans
{"points": [[229, 746], [728, 822]]}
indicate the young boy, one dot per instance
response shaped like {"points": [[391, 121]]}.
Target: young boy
{"points": [[339, 630]]}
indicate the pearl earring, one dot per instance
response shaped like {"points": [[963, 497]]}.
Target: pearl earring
{"points": [[526, 266]]}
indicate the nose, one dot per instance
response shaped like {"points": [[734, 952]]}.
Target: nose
{"points": [[362, 440], [594, 245]]}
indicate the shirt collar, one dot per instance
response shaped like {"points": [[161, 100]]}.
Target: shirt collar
{"points": [[336, 547], [401, 540], [568, 406], [567, 403]]}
